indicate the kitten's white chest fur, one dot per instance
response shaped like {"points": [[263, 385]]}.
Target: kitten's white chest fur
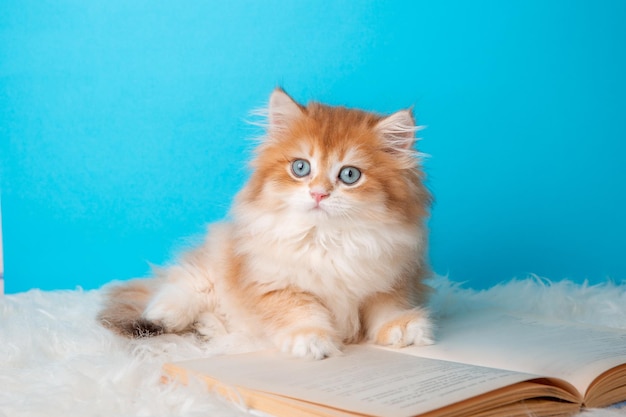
{"points": [[339, 262]]}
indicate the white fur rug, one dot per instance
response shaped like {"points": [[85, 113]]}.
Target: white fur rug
{"points": [[56, 361]]}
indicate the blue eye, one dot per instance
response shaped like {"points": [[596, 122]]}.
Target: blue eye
{"points": [[349, 175], [300, 168]]}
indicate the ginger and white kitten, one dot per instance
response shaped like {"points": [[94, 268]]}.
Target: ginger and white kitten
{"points": [[325, 244]]}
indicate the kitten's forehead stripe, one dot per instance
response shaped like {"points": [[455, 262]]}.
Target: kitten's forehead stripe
{"points": [[338, 129]]}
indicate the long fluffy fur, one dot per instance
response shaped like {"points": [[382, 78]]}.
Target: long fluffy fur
{"points": [[308, 275]]}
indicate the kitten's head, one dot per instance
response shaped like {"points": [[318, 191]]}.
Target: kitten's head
{"points": [[336, 164]]}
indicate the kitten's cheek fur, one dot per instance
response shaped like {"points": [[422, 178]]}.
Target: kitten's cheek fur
{"points": [[410, 328], [309, 342]]}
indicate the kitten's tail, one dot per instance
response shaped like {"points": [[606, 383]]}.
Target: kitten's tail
{"points": [[124, 306]]}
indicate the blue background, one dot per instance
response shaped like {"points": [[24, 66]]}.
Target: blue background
{"points": [[123, 124]]}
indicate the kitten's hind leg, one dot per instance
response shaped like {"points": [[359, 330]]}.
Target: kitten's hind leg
{"points": [[208, 326], [388, 322], [184, 294]]}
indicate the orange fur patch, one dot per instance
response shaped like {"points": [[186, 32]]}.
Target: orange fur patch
{"points": [[311, 331], [384, 334]]}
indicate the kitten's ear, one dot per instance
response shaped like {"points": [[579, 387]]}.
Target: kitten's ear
{"points": [[282, 110], [398, 130]]}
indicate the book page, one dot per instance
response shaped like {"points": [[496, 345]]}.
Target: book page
{"points": [[364, 380], [575, 352]]}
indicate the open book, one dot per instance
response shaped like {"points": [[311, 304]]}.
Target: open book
{"points": [[485, 363]]}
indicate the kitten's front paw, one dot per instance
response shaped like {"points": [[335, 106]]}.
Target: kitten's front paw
{"points": [[309, 342], [410, 328]]}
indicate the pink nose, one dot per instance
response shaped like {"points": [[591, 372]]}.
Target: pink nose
{"points": [[318, 195]]}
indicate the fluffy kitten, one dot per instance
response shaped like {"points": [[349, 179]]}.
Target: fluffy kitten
{"points": [[325, 244]]}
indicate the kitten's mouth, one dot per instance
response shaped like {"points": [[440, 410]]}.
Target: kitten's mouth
{"points": [[318, 208]]}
